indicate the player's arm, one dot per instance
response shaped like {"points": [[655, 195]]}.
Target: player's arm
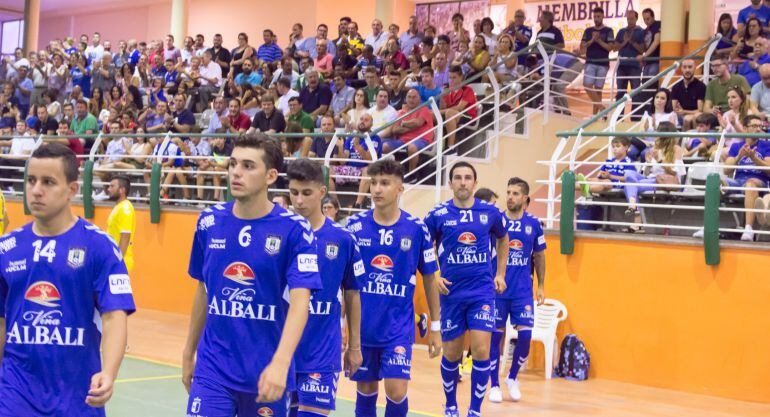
{"points": [[272, 382], [6, 222], [538, 258], [197, 321], [2, 337], [114, 336], [353, 315], [502, 255], [431, 294], [125, 239]]}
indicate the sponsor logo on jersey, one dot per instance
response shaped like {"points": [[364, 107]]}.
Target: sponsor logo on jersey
{"points": [[440, 212], [206, 222], [485, 314], [355, 227], [527, 307], [307, 262], [486, 307], [272, 244], [195, 407], [44, 328], [450, 223], [43, 293], [332, 251], [313, 385], [315, 377], [483, 218], [400, 358], [541, 240], [240, 273], [364, 242], [516, 244], [467, 238], [429, 255], [120, 284], [383, 263], [528, 230], [359, 268], [406, 244], [400, 350], [16, 266], [76, 257], [217, 243], [7, 244], [265, 412]]}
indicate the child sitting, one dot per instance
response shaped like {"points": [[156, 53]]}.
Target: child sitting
{"points": [[705, 122], [613, 171]]}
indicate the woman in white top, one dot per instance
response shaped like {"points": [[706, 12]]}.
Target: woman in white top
{"points": [[360, 106], [661, 110], [504, 61], [487, 26], [57, 77], [731, 121]]}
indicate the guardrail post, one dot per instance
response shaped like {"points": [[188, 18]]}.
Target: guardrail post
{"points": [[155, 193], [495, 112], [439, 138], [88, 189], [711, 219], [567, 218], [546, 80], [24, 190]]}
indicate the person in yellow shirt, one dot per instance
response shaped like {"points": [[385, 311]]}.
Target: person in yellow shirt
{"points": [[121, 225], [3, 215]]}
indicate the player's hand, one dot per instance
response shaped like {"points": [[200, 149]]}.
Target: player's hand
{"points": [[188, 365], [500, 284], [272, 382], [434, 344], [101, 389], [352, 361], [443, 285], [540, 296]]}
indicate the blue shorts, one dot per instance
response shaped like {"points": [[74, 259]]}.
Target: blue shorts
{"points": [[741, 182], [392, 362], [210, 399], [317, 390], [16, 402], [459, 316], [521, 312], [594, 75], [396, 143]]}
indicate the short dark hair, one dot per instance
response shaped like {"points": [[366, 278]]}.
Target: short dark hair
{"points": [[273, 155], [458, 16], [82, 101], [463, 164], [285, 81], [650, 11], [58, 151], [485, 194], [123, 182], [521, 183], [666, 127], [386, 167], [283, 197], [456, 69], [295, 98], [746, 120], [707, 119], [622, 140], [304, 170], [598, 10]]}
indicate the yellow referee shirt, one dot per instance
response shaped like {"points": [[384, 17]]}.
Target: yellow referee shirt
{"points": [[2, 214], [122, 220]]}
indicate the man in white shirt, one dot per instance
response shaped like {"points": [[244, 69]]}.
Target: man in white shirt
{"points": [[378, 37], [283, 87], [210, 79], [95, 51], [220, 111], [382, 112], [287, 67], [21, 147]]}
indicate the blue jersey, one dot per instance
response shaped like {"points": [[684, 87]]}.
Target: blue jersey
{"points": [[525, 238], [392, 256], [339, 263], [52, 291], [248, 267], [618, 168], [464, 240]]}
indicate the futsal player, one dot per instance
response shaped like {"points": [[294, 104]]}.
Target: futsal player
{"points": [[527, 244], [462, 229], [64, 293], [394, 246], [250, 257], [339, 262], [121, 224]]}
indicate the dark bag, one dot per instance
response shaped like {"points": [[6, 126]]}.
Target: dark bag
{"points": [[574, 360]]}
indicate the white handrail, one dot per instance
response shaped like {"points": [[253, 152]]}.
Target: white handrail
{"points": [[95, 147], [330, 149], [707, 59], [546, 80], [552, 174], [439, 146], [496, 88]]}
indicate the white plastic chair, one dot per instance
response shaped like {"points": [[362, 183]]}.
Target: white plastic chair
{"points": [[480, 89], [547, 319]]}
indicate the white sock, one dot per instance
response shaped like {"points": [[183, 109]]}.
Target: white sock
{"points": [[748, 228]]}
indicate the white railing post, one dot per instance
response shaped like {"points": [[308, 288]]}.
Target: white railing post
{"points": [[496, 111], [551, 207], [330, 150], [39, 141], [163, 148], [720, 148], [370, 146], [546, 80], [707, 58], [95, 147], [439, 136], [575, 148], [670, 75]]}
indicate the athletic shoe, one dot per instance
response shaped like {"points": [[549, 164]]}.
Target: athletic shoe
{"points": [[422, 325], [472, 413], [698, 234], [762, 218], [495, 395], [466, 365], [451, 412], [748, 235], [513, 389], [584, 188]]}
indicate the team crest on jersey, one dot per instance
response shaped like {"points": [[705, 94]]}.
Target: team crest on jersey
{"points": [[265, 412], [43, 293], [528, 230], [240, 273], [332, 251], [515, 244], [400, 350], [76, 257], [467, 238], [483, 219], [195, 407], [272, 244], [383, 263], [406, 244]]}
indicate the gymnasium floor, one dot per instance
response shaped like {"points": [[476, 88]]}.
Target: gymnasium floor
{"points": [[149, 385]]}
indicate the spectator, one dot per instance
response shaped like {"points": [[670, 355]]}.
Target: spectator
{"points": [[612, 172], [221, 149], [750, 152], [650, 58], [247, 75], [171, 52], [157, 93], [737, 110], [479, 57], [756, 10], [282, 200], [286, 70], [297, 115], [716, 90], [80, 74], [398, 58], [209, 80], [283, 87], [360, 106], [382, 113], [660, 110], [458, 34], [323, 61], [66, 138], [200, 152], [504, 61], [729, 34], [268, 120], [84, 123], [441, 68], [427, 50], [316, 96], [57, 76], [155, 120], [427, 87], [307, 49], [342, 99], [596, 46], [46, 124], [355, 42], [396, 90], [269, 51], [38, 73], [304, 65], [23, 94], [321, 144], [414, 129], [171, 157], [687, 96], [442, 45], [749, 69], [367, 60], [220, 111], [459, 98], [236, 121], [97, 103], [115, 157], [356, 149], [331, 208], [199, 48], [188, 51], [142, 74], [372, 83], [378, 37], [521, 33], [549, 34], [95, 50], [760, 92], [221, 56], [705, 122], [21, 146], [412, 37], [490, 38], [745, 48], [296, 37], [241, 54]]}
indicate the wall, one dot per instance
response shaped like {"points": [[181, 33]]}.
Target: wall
{"points": [[650, 314]]}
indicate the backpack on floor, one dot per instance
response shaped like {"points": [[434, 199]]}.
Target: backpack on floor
{"points": [[574, 359]]}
